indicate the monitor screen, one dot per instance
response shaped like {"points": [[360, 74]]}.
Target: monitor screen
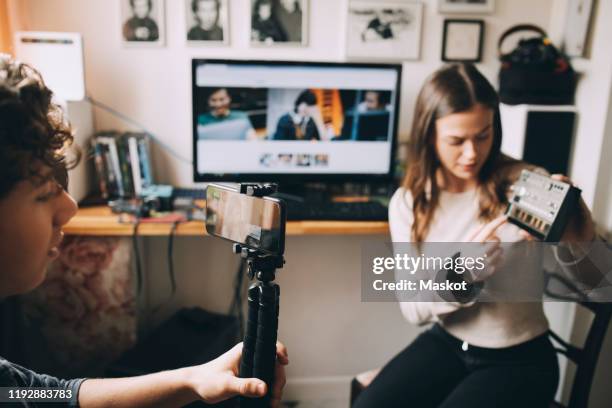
{"points": [[267, 121]]}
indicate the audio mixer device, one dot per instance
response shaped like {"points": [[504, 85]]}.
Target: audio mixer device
{"points": [[541, 205]]}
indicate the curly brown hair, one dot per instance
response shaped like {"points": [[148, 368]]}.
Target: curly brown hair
{"points": [[33, 131]]}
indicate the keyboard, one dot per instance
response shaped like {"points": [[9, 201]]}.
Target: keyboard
{"points": [[313, 210], [336, 211], [187, 192]]}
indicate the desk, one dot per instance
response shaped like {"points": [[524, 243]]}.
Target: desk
{"points": [[90, 292], [100, 221]]}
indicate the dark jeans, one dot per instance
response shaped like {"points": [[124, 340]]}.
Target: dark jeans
{"points": [[434, 371]]}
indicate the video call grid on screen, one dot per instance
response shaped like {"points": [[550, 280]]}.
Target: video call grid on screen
{"points": [[249, 118]]}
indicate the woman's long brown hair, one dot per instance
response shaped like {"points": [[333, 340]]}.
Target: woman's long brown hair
{"points": [[452, 89]]}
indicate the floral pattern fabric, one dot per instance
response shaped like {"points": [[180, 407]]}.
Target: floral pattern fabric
{"points": [[86, 309]]}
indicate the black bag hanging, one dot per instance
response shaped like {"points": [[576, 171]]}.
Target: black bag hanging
{"points": [[535, 72]]}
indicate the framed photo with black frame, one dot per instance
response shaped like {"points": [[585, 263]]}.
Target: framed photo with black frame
{"points": [[462, 40], [466, 6]]}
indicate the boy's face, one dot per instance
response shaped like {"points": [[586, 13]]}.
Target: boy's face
{"points": [[141, 8], [265, 11], [30, 232], [207, 13]]}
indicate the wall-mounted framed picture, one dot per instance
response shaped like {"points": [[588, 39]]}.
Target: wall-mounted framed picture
{"points": [[462, 40], [142, 22], [577, 27], [279, 22], [466, 6], [207, 22], [384, 30]]}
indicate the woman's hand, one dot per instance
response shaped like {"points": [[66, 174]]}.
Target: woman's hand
{"points": [[491, 249], [218, 380]]}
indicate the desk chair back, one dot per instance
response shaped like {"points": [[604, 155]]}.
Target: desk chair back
{"points": [[585, 357]]}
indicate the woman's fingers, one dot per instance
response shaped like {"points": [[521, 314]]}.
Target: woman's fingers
{"points": [[491, 247], [562, 177], [487, 231]]}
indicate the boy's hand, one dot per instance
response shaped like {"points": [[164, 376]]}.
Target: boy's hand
{"points": [[218, 380]]}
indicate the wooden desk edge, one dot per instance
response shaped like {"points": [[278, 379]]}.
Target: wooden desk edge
{"points": [[99, 221]]}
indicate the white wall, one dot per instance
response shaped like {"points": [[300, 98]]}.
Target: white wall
{"points": [[153, 85], [593, 101], [331, 334]]}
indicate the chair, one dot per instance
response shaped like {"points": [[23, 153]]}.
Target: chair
{"points": [[585, 357]]}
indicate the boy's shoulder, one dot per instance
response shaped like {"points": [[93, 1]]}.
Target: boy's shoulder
{"points": [[9, 373]]}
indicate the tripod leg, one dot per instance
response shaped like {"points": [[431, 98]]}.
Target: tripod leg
{"points": [[250, 335], [267, 328]]}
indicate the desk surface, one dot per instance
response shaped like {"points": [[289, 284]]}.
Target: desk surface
{"points": [[101, 221]]}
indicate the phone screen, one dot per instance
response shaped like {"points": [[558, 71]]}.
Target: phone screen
{"points": [[258, 223]]}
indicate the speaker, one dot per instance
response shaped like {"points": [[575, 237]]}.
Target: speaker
{"points": [[541, 135], [548, 140]]}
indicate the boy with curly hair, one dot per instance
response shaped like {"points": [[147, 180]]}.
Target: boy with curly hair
{"points": [[33, 199]]}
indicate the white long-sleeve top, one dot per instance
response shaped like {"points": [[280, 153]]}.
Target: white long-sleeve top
{"points": [[492, 324]]}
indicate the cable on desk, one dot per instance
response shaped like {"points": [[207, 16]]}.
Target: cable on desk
{"points": [[175, 224], [137, 256], [170, 254], [138, 125]]}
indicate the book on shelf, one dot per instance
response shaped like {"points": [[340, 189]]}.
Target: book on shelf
{"points": [[123, 163]]}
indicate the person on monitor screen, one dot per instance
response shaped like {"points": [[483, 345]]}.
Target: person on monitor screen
{"points": [[35, 205], [264, 24], [206, 13], [141, 27], [219, 102], [299, 124], [373, 101], [477, 353]]}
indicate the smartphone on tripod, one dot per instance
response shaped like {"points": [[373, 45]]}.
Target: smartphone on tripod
{"points": [[255, 222]]}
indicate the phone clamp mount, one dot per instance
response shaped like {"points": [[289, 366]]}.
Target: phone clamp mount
{"points": [[259, 347]]}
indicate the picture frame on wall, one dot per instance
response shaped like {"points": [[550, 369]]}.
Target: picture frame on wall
{"points": [[462, 40], [384, 30], [466, 6], [142, 22], [577, 27], [207, 22], [279, 22]]}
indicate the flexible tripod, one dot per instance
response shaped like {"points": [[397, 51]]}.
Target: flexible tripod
{"points": [[259, 350]]}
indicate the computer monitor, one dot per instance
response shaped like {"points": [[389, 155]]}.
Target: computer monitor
{"points": [[294, 121]]}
